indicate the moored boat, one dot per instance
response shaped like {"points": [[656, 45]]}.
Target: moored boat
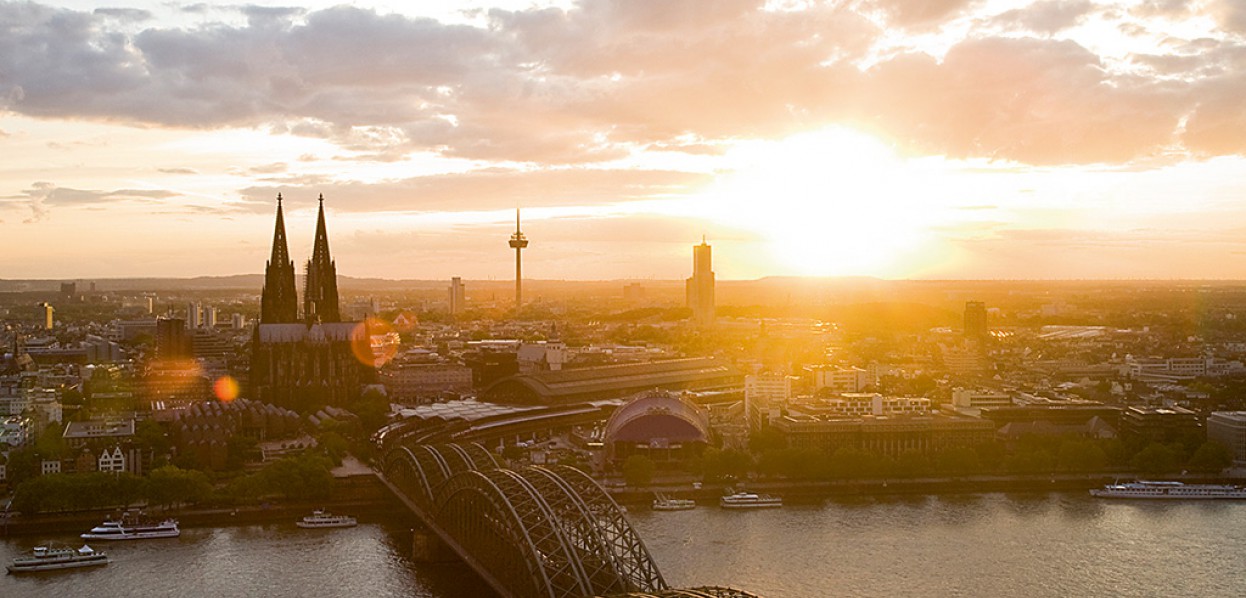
{"points": [[321, 518], [133, 528], [749, 500], [1169, 491], [51, 559], [662, 503]]}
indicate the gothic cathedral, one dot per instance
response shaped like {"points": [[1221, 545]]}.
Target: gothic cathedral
{"points": [[303, 364]]}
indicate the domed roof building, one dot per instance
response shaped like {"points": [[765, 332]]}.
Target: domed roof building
{"points": [[662, 425]]}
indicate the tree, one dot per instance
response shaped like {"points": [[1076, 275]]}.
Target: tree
{"points": [[1157, 458], [239, 450], [172, 486], [150, 436], [51, 444], [638, 470], [24, 464], [1081, 455], [372, 409], [334, 445], [1211, 457]]}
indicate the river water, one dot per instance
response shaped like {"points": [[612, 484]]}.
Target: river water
{"points": [[1034, 545]]}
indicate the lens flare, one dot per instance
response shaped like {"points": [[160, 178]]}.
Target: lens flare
{"points": [[374, 342], [225, 388]]}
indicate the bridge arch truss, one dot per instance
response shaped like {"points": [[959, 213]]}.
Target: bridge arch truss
{"points": [[540, 532]]}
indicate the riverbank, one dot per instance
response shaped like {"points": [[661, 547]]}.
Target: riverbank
{"points": [[362, 496], [814, 490]]}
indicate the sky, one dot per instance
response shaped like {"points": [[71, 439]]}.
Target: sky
{"points": [[929, 139]]}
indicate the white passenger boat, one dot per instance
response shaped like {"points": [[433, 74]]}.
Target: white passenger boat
{"points": [[1169, 491], [321, 518], [748, 500], [662, 503], [128, 528], [51, 559]]}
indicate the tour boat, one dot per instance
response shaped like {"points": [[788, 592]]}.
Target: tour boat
{"points": [[129, 529], [51, 559], [321, 518], [662, 503], [1169, 490], [748, 500]]}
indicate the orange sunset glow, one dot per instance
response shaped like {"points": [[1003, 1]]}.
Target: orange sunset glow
{"points": [[887, 138]]}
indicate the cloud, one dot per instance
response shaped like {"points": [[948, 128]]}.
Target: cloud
{"points": [[488, 189], [124, 14], [273, 168], [1047, 16], [43, 195], [178, 170], [1030, 100], [919, 14], [1164, 8], [1231, 14], [603, 79]]}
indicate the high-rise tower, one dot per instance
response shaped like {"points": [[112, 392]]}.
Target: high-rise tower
{"points": [[975, 320], [278, 303], [458, 296], [700, 287], [518, 243], [320, 301]]}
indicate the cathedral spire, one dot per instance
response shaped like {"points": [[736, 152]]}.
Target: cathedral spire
{"points": [[320, 299], [278, 302]]}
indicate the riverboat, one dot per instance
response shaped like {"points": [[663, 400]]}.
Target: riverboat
{"points": [[748, 500], [52, 559], [133, 528], [662, 503], [321, 518], [1169, 491]]}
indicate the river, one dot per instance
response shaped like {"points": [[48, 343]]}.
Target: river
{"points": [[1034, 545]]}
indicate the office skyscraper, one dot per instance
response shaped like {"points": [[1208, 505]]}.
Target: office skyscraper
{"points": [[458, 296], [975, 320], [46, 310], [700, 287]]}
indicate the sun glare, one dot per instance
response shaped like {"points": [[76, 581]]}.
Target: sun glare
{"points": [[831, 202]]}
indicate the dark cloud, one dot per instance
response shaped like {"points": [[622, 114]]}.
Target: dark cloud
{"points": [[124, 14], [1047, 16], [604, 78]]}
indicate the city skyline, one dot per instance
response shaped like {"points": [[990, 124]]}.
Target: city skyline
{"points": [[996, 139]]}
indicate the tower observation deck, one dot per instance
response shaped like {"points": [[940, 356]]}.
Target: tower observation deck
{"points": [[518, 242]]}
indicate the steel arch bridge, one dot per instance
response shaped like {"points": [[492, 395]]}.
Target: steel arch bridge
{"points": [[547, 532]]}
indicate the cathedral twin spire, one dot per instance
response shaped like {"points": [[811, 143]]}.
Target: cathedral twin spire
{"points": [[279, 302]]}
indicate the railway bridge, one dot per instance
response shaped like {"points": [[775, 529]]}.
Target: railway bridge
{"points": [[533, 532]]}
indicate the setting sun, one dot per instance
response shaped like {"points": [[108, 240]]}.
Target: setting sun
{"points": [[829, 202]]}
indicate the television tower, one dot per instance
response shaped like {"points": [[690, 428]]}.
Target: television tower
{"points": [[518, 243]]}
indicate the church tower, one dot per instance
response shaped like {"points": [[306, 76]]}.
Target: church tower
{"points": [[278, 303], [320, 293], [305, 364]]}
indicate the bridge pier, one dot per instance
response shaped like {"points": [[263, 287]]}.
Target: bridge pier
{"points": [[427, 547]]}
